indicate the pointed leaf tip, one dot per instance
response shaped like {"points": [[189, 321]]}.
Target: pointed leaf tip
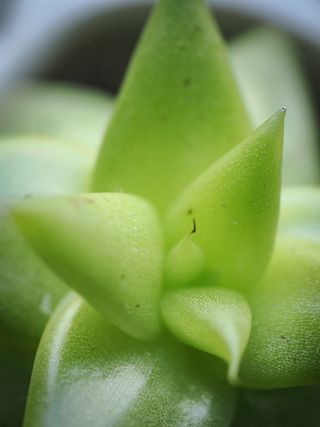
{"points": [[266, 84], [179, 108], [235, 205], [214, 320], [108, 247]]}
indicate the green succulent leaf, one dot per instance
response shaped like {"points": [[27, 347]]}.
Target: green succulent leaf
{"points": [[29, 167], [284, 346], [231, 210], [29, 290], [87, 372], [59, 110], [269, 74], [179, 108], [184, 263], [107, 246], [32, 166], [214, 320], [300, 213]]}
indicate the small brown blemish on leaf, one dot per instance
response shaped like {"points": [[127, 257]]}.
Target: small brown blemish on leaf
{"points": [[75, 202], [189, 211], [88, 200], [186, 81], [81, 201]]}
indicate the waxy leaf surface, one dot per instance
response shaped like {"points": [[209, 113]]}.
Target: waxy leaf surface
{"points": [[107, 246], [231, 210], [179, 108], [214, 320], [87, 372], [284, 345]]}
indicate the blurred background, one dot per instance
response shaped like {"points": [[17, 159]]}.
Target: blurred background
{"points": [[275, 49], [90, 41]]}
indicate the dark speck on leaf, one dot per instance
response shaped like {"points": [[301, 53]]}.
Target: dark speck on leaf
{"points": [[283, 337], [187, 82], [189, 211], [137, 305], [123, 276], [194, 229], [196, 28]]}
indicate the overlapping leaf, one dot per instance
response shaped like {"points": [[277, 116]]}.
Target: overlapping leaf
{"points": [[178, 110], [283, 350], [214, 320], [29, 290], [89, 373], [231, 210], [30, 167], [107, 246]]}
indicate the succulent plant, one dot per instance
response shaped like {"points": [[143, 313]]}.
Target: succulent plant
{"points": [[182, 289]]}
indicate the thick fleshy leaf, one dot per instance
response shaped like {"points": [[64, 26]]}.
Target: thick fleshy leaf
{"points": [[300, 213], [284, 346], [179, 108], [290, 407], [106, 246], [32, 166], [269, 74], [214, 320], [89, 373], [63, 111], [29, 290], [35, 166], [231, 210]]}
